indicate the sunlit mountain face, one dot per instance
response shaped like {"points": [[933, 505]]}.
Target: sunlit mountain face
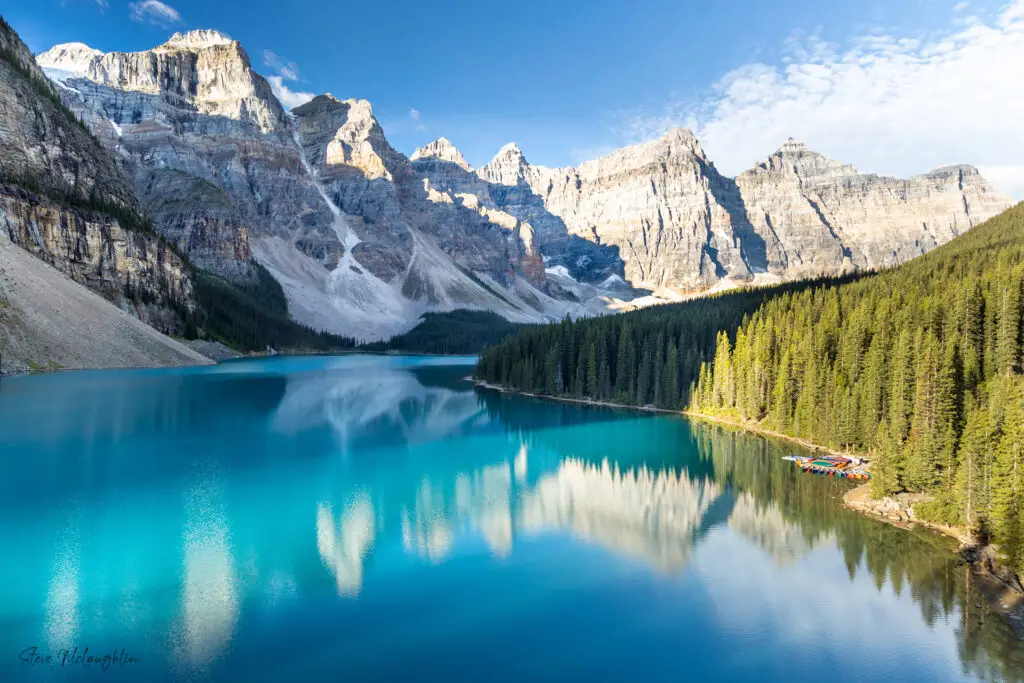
{"points": [[376, 511]]}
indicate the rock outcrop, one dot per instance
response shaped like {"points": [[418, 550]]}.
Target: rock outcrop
{"points": [[815, 216], [207, 144], [435, 251], [364, 239], [134, 270], [676, 222], [63, 199], [50, 322], [360, 241]]}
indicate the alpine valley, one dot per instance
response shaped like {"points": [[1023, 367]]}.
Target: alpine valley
{"points": [[173, 184]]}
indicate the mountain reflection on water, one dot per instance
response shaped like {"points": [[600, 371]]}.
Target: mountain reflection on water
{"points": [[204, 514]]}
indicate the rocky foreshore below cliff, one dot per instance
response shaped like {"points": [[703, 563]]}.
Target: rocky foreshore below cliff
{"points": [[1000, 586]]}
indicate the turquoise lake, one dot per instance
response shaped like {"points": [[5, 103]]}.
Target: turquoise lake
{"points": [[365, 518]]}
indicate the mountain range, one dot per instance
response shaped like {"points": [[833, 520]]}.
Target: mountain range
{"points": [[189, 144]]}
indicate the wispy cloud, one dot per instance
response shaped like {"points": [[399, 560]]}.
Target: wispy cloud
{"points": [[102, 4], [288, 70], [288, 98], [414, 115], [886, 103], [152, 12], [285, 71]]}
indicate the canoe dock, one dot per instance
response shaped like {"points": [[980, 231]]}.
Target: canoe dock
{"points": [[831, 466]]}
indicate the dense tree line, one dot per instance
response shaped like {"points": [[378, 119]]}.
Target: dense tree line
{"points": [[919, 366], [251, 317], [644, 357], [455, 332]]}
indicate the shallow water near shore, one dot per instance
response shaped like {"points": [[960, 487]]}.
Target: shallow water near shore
{"points": [[380, 518]]}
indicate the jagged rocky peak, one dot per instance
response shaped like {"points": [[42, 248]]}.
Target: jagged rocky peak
{"points": [[442, 149], [795, 158], [202, 71], [67, 167], [335, 134], [963, 173], [318, 105], [677, 148], [197, 39], [793, 146], [680, 142], [507, 167]]}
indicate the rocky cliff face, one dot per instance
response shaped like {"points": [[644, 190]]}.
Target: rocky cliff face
{"points": [[658, 209], [815, 215], [675, 222], [396, 207], [64, 199], [207, 144], [355, 234], [428, 247], [363, 239], [49, 321], [136, 271]]}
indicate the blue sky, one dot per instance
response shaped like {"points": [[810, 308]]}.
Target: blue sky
{"points": [[570, 80]]}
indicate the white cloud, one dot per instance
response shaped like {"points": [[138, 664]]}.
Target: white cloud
{"points": [[889, 104], [288, 70], [414, 115], [961, 6], [288, 98], [154, 12], [102, 4]]}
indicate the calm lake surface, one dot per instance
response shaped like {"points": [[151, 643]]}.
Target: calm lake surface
{"points": [[377, 518]]}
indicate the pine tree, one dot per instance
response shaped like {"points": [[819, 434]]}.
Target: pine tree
{"points": [[592, 371], [722, 396], [872, 388], [1008, 334], [886, 467], [671, 382], [624, 380], [901, 391], [782, 395], [925, 441], [1008, 481], [973, 333], [975, 462]]}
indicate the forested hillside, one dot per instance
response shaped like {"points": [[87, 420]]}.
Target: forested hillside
{"points": [[919, 366], [644, 357], [460, 331], [251, 317]]}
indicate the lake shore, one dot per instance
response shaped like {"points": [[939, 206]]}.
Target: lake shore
{"points": [[745, 426], [1003, 597], [214, 353]]}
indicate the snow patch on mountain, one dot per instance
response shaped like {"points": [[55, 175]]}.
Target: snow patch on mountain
{"points": [[70, 59]]}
